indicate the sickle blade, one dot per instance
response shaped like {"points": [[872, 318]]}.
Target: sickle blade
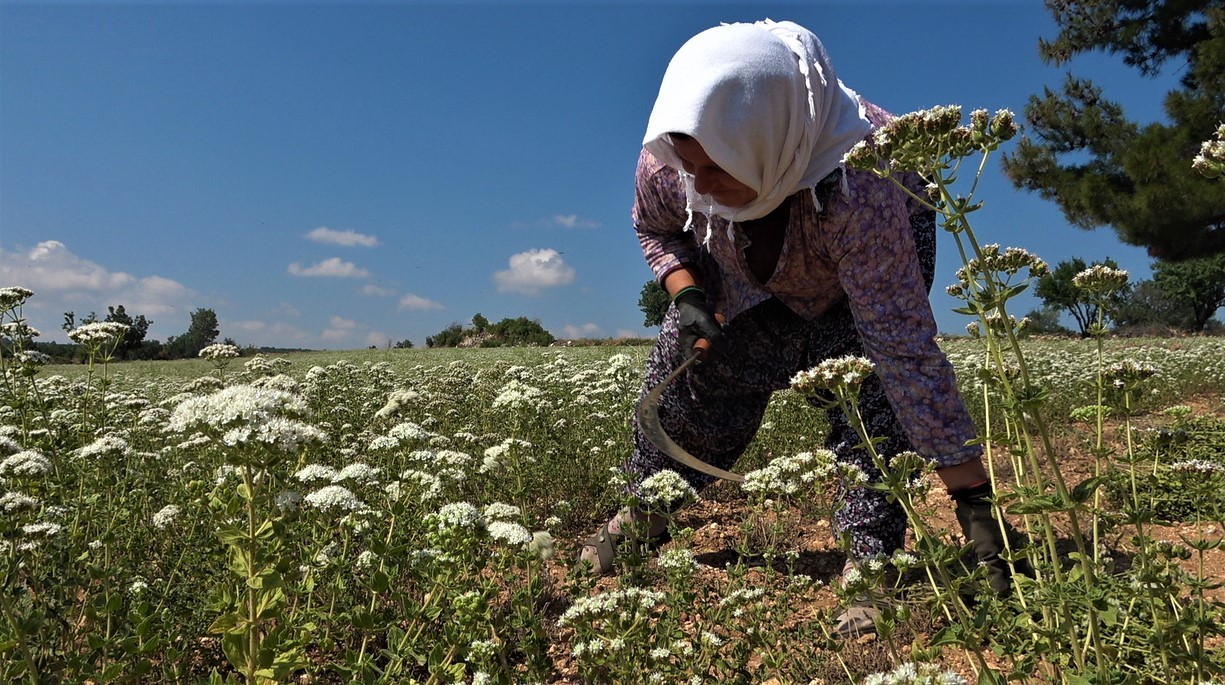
{"points": [[648, 423]]}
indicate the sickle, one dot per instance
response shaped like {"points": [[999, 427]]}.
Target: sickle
{"points": [[648, 423]]}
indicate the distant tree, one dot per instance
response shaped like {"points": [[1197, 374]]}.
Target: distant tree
{"points": [[521, 331], [653, 301], [1046, 321], [138, 328], [1102, 169], [201, 333], [450, 336], [1198, 284], [1056, 289], [71, 323], [404, 344], [479, 323], [1146, 306]]}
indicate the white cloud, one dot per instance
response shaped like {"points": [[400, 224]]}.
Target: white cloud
{"points": [[250, 326], [377, 291], [275, 334], [323, 234], [587, 330], [329, 268], [534, 270], [417, 303], [573, 221], [63, 281], [339, 328], [342, 323]]}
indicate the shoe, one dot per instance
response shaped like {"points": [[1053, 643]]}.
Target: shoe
{"points": [[598, 554], [858, 620]]}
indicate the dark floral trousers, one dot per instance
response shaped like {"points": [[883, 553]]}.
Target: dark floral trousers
{"points": [[715, 409]]}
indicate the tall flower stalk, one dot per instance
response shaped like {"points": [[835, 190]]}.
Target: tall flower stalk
{"points": [[935, 145], [838, 380]]}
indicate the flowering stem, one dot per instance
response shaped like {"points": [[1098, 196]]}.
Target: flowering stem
{"points": [[253, 626], [847, 399], [31, 664]]}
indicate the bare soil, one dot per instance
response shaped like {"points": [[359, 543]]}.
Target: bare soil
{"points": [[716, 521]]}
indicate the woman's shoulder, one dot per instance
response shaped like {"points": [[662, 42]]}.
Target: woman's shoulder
{"points": [[877, 115]]}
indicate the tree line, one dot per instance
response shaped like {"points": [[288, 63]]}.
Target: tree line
{"points": [[505, 333], [1181, 296], [202, 332]]}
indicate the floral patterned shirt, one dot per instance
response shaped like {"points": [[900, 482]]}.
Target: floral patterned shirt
{"points": [[860, 247]]}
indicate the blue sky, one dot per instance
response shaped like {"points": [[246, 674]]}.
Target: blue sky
{"points": [[340, 174]]}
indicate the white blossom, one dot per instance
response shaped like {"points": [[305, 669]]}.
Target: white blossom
{"points": [[26, 464], [334, 498], [166, 516]]}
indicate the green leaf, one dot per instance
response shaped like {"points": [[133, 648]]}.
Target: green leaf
{"points": [[1037, 504], [1084, 490], [379, 582], [227, 623], [949, 635]]}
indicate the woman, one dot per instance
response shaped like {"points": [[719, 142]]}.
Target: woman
{"points": [[743, 208]]}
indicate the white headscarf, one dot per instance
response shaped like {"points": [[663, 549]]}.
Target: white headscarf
{"points": [[763, 101]]}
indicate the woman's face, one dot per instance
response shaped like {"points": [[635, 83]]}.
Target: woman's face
{"points": [[709, 178]]}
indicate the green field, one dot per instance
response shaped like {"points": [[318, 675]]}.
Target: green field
{"points": [[411, 515]]}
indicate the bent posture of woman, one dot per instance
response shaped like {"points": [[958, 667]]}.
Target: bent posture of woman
{"points": [[743, 207]]}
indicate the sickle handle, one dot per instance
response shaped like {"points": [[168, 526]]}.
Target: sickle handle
{"points": [[702, 347]]}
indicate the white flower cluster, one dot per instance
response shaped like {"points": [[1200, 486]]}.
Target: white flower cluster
{"points": [[519, 395], [105, 447], [461, 515], [848, 371], [1211, 158], [501, 511], [98, 334], [509, 532], [410, 431], [43, 529], [315, 472], [281, 434], [1128, 372], [790, 475], [334, 498], [916, 674], [396, 402], [32, 358], [664, 490], [13, 296], [542, 545], [219, 351], [245, 414], [358, 472], [678, 559], [166, 516], [25, 464], [612, 604], [992, 263], [18, 330], [1197, 466], [1100, 279]]}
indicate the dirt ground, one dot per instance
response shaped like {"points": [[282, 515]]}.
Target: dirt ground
{"points": [[716, 520]]}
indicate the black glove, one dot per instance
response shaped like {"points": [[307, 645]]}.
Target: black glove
{"points": [[977, 517], [695, 321]]}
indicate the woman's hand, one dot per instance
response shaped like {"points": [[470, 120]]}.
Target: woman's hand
{"points": [[696, 321]]}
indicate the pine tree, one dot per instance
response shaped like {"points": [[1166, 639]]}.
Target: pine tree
{"points": [[1102, 169]]}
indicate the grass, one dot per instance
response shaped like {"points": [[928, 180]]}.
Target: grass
{"points": [[192, 555]]}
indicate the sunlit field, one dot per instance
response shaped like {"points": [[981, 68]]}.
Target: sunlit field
{"points": [[412, 516]]}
